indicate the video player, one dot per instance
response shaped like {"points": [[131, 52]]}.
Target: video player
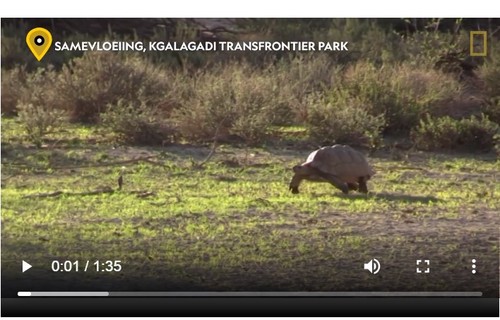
{"points": [[292, 167]]}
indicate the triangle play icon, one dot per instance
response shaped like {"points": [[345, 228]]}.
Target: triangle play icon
{"points": [[26, 266]]}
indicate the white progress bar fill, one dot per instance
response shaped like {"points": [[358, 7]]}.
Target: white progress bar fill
{"points": [[62, 294]]}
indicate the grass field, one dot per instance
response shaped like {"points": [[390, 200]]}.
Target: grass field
{"points": [[232, 222]]}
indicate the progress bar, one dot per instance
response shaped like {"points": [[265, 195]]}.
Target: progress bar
{"points": [[62, 294], [251, 294]]}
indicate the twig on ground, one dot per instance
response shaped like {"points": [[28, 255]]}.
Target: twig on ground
{"points": [[214, 145], [58, 193]]}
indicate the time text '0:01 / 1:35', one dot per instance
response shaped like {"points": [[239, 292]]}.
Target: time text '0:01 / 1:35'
{"points": [[88, 265]]}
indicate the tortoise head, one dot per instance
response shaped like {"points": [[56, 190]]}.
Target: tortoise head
{"points": [[302, 170], [300, 173]]}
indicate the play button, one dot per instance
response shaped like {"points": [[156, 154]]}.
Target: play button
{"points": [[26, 266]]}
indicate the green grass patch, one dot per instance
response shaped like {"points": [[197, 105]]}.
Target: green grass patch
{"points": [[229, 214]]}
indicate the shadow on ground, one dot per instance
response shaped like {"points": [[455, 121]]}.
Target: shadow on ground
{"points": [[393, 197]]}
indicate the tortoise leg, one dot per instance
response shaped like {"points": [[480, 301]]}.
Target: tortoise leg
{"points": [[294, 184], [336, 182], [352, 186], [362, 185]]}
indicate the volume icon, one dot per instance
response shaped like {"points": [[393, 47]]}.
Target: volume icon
{"points": [[373, 266]]}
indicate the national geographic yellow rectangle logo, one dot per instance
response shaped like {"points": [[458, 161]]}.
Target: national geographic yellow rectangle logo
{"points": [[474, 43]]}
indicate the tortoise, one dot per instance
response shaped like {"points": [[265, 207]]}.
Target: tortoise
{"points": [[340, 165]]}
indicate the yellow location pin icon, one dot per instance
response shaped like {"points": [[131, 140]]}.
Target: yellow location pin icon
{"points": [[39, 41]]}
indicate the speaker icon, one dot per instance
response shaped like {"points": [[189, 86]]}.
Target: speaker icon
{"points": [[373, 266]]}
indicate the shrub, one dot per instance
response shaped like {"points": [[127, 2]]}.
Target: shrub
{"points": [[141, 124], [339, 118], [89, 84], [36, 100], [296, 79], [38, 120], [38, 88], [451, 134], [13, 82], [402, 93], [234, 101], [421, 48], [496, 148], [489, 72], [492, 110], [207, 113]]}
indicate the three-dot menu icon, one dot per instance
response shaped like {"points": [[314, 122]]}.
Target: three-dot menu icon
{"points": [[39, 41], [474, 266]]}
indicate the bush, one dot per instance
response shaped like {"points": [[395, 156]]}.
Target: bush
{"points": [[299, 77], [89, 84], [339, 118], [492, 110], [38, 120], [473, 134], [13, 82], [422, 48], [140, 125], [401, 93], [489, 72], [35, 102], [232, 102], [39, 89], [496, 148]]}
